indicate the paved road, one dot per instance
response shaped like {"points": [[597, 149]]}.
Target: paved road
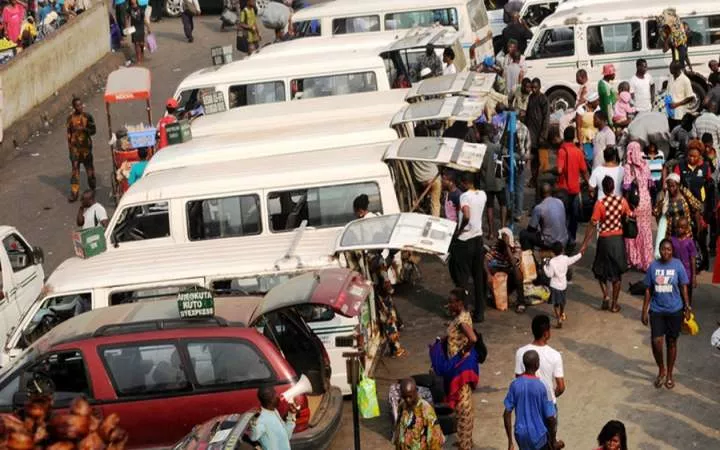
{"points": [[609, 369]]}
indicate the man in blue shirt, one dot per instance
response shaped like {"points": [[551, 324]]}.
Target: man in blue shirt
{"points": [[267, 427], [666, 302], [535, 422], [547, 224]]}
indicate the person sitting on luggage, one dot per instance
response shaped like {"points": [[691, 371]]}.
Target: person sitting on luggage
{"points": [[505, 256], [417, 426], [547, 224]]}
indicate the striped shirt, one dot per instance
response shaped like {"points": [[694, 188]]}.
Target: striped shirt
{"points": [[707, 123], [656, 165]]}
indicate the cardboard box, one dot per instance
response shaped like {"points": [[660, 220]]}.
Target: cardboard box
{"points": [[89, 242], [178, 132]]}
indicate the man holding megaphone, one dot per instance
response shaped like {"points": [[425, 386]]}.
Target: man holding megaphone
{"points": [[267, 427]]}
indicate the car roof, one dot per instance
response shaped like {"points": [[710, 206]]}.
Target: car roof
{"points": [[250, 69], [374, 42], [353, 7], [7, 228], [352, 107], [232, 310], [261, 173], [267, 143], [599, 12], [231, 257]]}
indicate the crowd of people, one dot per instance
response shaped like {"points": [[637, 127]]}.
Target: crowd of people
{"points": [[588, 164]]}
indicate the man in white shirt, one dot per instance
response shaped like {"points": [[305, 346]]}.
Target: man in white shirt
{"points": [[709, 123], [611, 169], [681, 93], [91, 213], [604, 138], [468, 252], [449, 61], [551, 364], [642, 87]]}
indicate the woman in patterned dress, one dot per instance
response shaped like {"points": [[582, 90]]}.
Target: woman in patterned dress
{"points": [[640, 249], [461, 339], [610, 260]]}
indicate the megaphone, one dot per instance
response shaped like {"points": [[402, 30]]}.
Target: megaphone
{"points": [[303, 386]]}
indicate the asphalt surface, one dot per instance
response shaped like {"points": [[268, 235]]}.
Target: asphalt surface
{"points": [[608, 365]]}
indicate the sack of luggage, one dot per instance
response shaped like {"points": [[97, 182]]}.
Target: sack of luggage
{"points": [[229, 17], [275, 16]]}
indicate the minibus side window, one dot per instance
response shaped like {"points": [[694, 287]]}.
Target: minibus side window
{"points": [[614, 38], [654, 37], [553, 43], [145, 294], [137, 223], [327, 206], [329, 85], [704, 30], [307, 28], [361, 24], [256, 93], [411, 19], [52, 312], [535, 14], [223, 217]]}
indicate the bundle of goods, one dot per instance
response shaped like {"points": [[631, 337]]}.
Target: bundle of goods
{"points": [[35, 428], [669, 18]]}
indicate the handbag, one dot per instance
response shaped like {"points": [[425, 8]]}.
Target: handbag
{"points": [[480, 347], [241, 42], [151, 43], [367, 397], [630, 227], [690, 326], [632, 195], [189, 6]]}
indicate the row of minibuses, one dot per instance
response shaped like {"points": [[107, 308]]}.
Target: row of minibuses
{"points": [[304, 69], [239, 214]]}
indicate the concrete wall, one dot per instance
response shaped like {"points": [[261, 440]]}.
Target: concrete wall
{"points": [[38, 72]]}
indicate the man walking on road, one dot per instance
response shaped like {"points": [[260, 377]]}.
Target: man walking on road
{"points": [[80, 129], [535, 420], [571, 166], [190, 8], [550, 371], [468, 250]]}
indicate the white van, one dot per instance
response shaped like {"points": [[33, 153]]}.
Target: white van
{"points": [[254, 81], [352, 16], [219, 148], [304, 117], [589, 37], [21, 276]]}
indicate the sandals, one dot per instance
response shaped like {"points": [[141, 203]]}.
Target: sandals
{"points": [[659, 381], [520, 309], [615, 308], [669, 383], [605, 304]]}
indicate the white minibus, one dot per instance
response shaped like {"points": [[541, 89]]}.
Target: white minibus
{"points": [[588, 37], [340, 17]]}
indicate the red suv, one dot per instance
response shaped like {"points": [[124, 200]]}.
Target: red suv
{"points": [[163, 374]]}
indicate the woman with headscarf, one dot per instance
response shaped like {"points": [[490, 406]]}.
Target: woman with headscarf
{"points": [[640, 249], [677, 202]]}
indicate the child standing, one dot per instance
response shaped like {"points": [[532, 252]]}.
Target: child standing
{"points": [[684, 250], [623, 108], [556, 269], [656, 160]]}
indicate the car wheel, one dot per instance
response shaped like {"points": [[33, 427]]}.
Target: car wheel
{"points": [[561, 99], [173, 8]]}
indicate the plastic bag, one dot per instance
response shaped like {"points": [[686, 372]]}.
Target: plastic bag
{"points": [[690, 327], [499, 287], [151, 43], [527, 266], [275, 16], [367, 398]]}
